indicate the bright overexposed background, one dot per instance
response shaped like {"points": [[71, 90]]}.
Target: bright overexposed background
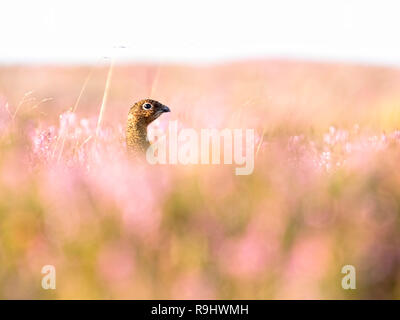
{"points": [[199, 31]]}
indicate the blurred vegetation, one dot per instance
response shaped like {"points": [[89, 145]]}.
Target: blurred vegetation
{"points": [[325, 191]]}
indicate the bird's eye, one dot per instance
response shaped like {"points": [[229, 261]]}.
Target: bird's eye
{"points": [[147, 106]]}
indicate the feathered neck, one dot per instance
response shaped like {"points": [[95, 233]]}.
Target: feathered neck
{"points": [[136, 134]]}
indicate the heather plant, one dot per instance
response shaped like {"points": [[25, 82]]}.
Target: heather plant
{"points": [[324, 193]]}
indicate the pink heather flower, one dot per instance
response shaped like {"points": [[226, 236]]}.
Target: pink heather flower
{"points": [[137, 190], [67, 120], [43, 142], [193, 285], [309, 259], [247, 257], [116, 263]]}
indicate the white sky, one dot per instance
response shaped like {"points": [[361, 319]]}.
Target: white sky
{"points": [[199, 31]]}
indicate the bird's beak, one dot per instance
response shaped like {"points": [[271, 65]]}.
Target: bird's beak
{"points": [[165, 109]]}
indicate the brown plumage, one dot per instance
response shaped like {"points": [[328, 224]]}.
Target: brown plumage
{"points": [[140, 116]]}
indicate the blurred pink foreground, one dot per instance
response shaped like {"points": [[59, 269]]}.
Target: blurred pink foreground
{"points": [[324, 193]]}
